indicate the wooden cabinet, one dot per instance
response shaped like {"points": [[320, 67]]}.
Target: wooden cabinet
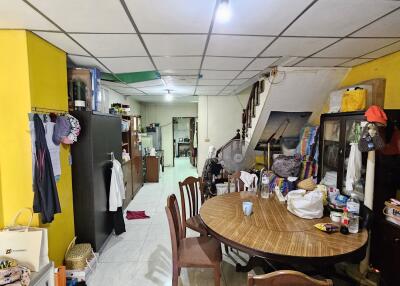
{"points": [[336, 136], [133, 171], [128, 183], [152, 169], [385, 251], [385, 237]]}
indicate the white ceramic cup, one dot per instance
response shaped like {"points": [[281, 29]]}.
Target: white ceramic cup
{"points": [[247, 208], [336, 216]]}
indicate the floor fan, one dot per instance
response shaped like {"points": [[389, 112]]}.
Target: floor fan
{"points": [[237, 155]]}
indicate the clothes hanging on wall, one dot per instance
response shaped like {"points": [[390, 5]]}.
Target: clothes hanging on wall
{"points": [[354, 167], [53, 148], [45, 199]]}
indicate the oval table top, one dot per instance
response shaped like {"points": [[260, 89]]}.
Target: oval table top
{"points": [[273, 232]]}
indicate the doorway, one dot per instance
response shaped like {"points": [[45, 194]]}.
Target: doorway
{"points": [[184, 139]]}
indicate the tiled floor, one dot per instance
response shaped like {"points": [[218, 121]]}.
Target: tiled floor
{"points": [[142, 255]]}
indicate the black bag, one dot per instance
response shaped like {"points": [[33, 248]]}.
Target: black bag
{"points": [[287, 166], [370, 139]]}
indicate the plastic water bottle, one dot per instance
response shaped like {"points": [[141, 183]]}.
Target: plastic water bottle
{"points": [[265, 191], [353, 204]]}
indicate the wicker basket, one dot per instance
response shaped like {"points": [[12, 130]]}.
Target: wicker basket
{"points": [[307, 184], [78, 255]]}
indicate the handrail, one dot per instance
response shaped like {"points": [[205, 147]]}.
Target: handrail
{"points": [[250, 111]]}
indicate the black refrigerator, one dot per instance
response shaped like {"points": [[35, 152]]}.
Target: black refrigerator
{"points": [[91, 174]]}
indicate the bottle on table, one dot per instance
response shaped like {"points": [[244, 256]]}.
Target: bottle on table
{"points": [[344, 228], [265, 190], [353, 206]]}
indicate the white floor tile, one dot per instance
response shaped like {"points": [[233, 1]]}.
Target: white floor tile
{"points": [[120, 250], [114, 274], [142, 255]]}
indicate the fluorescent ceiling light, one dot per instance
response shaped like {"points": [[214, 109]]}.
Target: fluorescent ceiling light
{"points": [[224, 12], [168, 96]]}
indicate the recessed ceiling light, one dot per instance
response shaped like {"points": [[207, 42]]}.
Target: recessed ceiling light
{"points": [[224, 12]]}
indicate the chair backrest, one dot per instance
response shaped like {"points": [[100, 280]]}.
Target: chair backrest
{"points": [[175, 224], [191, 188], [238, 184], [286, 278]]}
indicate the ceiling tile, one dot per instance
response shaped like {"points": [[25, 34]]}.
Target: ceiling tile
{"points": [[355, 62], [298, 47], [111, 45], [154, 90], [261, 63], [93, 16], [132, 64], [172, 16], [352, 48], [320, 62], [238, 81], [230, 88], [386, 27], [174, 63], [225, 63], [112, 84], [248, 74], [255, 18], [18, 15], [86, 62], [127, 91], [384, 51], [209, 88], [61, 41], [214, 81], [147, 83], [219, 74], [226, 92], [180, 80], [176, 72], [237, 46], [157, 99], [183, 90], [175, 45], [339, 17], [207, 92]]}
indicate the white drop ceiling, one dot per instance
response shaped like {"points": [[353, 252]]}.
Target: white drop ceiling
{"points": [[195, 53]]}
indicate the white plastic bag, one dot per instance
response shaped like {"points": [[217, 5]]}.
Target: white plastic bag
{"points": [[305, 205], [353, 167]]}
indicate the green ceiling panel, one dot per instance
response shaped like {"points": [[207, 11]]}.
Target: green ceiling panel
{"points": [[131, 77]]}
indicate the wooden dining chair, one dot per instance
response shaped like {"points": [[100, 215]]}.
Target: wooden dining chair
{"points": [[201, 252], [285, 278], [238, 184], [192, 190]]}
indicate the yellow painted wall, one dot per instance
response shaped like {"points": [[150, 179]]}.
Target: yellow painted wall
{"points": [[387, 67], [15, 104], [41, 81]]}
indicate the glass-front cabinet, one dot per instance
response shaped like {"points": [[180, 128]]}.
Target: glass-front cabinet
{"points": [[339, 165]]}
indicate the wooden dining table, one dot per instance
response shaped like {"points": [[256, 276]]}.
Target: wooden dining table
{"points": [[272, 232]]}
